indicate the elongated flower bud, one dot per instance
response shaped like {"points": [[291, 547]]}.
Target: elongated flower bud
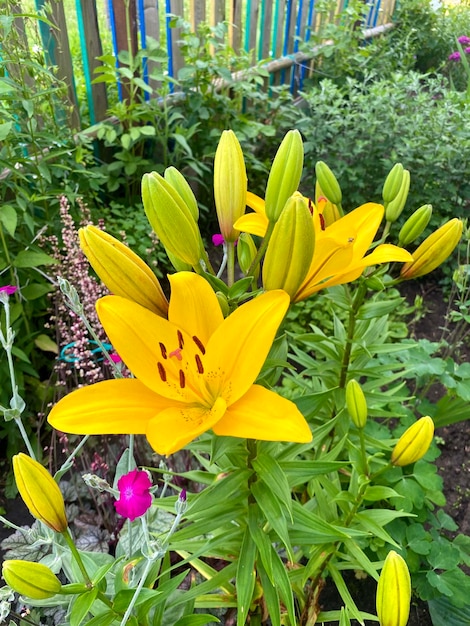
{"points": [[284, 177], [356, 403], [179, 182], [290, 248], [171, 219], [33, 580], [394, 592], [230, 184], [415, 225], [246, 252], [434, 250], [121, 270], [40, 492], [414, 443], [393, 183], [328, 183], [394, 208]]}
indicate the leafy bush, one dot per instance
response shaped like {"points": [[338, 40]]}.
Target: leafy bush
{"points": [[363, 128]]}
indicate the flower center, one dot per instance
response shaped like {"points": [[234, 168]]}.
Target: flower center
{"points": [[173, 365]]}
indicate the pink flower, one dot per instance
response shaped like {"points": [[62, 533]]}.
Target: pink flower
{"points": [[467, 50], [218, 239], [455, 56], [8, 289], [464, 40], [134, 494], [115, 358]]}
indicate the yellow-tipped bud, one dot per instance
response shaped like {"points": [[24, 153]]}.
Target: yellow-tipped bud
{"points": [[178, 264], [246, 253], [328, 183], [434, 250], [415, 225], [356, 403], [40, 492], [33, 580], [171, 219], [414, 443], [121, 270], [394, 208], [284, 177], [179, 182], [290, 248], [394, 592], [393, 183], [230, 184]]}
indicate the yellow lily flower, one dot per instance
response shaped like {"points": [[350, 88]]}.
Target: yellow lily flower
{"points": [[194, 372], [340, 247], [340, 250]]}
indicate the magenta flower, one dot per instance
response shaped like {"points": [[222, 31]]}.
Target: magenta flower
{"points": [[455, 56], [8, 289], [464, 40], [115, 358], [218, 239], [134, 494]]}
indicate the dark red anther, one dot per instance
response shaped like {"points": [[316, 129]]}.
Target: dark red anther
{"points": [[322, 221], [199, 344], [200, 367], [180, 339], [163, 350], [182, 380], [161, 371]]}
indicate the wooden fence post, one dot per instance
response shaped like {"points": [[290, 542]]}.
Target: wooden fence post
{"points": [[125, 33]]}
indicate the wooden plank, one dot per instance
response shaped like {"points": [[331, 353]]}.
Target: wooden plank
{"points": [[91, 49], [251, 26], [124, 16], [176, 8], [217, 12], [15, 69], [152, 29], [278, 26], [235, 28], [197, 13], [264, 48]]}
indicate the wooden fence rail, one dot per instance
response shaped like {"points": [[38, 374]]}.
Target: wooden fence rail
{"points": [[270, 29]]}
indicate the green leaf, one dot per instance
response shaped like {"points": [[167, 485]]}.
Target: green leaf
{"points": [[271, 474], [271, 508], [261, 539], [310, 529], [197, 619], [81, 606], [30, 258], [246, 576], [283, 585], [5, 130], [148, 131], [378, 492], [344, 592], [299, 472], [8, 216], [36, 290], [46, 344], [103, 619], [443, 611], [271, 596]]}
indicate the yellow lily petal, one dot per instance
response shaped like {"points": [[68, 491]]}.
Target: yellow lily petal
{"points": [[194, 306], [116, 407], [173, 428], [262, 414], [239, 347], [254, 223], [152, 348]]}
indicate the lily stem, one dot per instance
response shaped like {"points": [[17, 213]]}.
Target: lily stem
{"points": [[76, 555], [262, 249]]}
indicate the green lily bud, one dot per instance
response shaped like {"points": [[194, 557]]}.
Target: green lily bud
{"points": [[230, 184], [171, 219], [356, 403], [328, 183], [394, 208], [284, 177], [223, 303], [393, 183], [414, 225], [40, 492], [327, 209], [33, 580], [434, 250], [179, 182], [178, 264], [121, 270], [375, 283], [290, 249], [414, 443], [394, 592], [246, 253]]}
